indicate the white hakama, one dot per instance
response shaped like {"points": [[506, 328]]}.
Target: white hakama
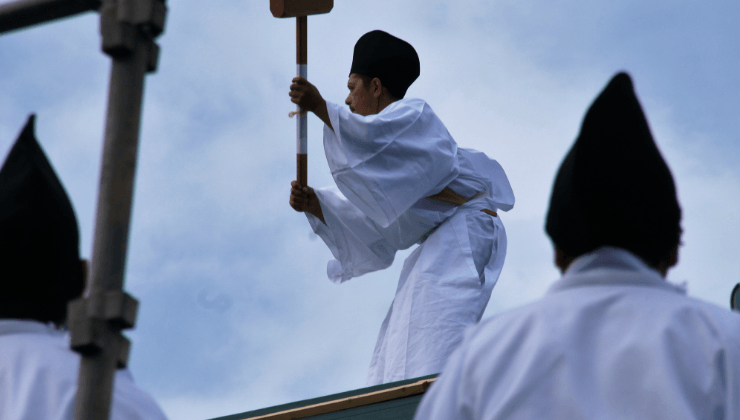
{"points": [[385, 166], [611, 340]]}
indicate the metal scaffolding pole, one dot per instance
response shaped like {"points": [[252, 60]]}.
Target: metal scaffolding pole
{"points": [[23, 13], [128, 30]]}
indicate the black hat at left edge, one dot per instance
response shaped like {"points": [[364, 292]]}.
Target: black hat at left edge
{"points": [[40, 269]]}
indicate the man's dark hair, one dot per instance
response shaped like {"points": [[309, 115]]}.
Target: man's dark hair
{"points": [[390, 59]]}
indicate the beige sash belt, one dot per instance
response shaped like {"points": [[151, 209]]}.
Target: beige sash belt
{"points": [[449, 196]]}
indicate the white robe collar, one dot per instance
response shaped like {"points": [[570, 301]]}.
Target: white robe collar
{"points": [[610, 266], [22, 326]]}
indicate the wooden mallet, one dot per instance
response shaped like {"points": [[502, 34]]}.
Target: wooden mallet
{"points": [[300, 9]]}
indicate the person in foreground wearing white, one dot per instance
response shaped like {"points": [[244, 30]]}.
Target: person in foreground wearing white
{"points": [[612, 339], [40, 271], [402, 180]]}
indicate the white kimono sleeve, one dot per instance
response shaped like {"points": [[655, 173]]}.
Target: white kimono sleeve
{"points": [[351, 236], [385, 163]]}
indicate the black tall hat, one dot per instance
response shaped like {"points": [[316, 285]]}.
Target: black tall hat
{"points": [[614, 188], [390, 59], [40, 268]]}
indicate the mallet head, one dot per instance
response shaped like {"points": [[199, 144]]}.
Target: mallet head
{"points": [[295, 8]]}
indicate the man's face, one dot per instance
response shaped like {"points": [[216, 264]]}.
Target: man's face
{"points": [[360, 99]]}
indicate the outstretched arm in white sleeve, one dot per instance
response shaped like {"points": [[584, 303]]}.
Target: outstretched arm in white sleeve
{"points": [[355, 240]]}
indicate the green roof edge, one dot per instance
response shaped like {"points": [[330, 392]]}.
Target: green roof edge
{"points": [[318, 400]]}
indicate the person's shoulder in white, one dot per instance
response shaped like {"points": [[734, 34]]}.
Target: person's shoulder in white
{"points": [[595, 347], [38, 377]]}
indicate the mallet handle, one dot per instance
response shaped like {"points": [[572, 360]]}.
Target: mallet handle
{"points": [[301, 122]]}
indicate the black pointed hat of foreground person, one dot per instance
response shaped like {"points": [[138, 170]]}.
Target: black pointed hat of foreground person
{"points": [[614, 188], [40, 269]]}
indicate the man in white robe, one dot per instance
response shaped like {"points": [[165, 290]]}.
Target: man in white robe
{"points": [[611, 339], [40, 272], [402, 180]]}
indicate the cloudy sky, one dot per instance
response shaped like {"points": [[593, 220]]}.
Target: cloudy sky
{"points": [[236, 310]]}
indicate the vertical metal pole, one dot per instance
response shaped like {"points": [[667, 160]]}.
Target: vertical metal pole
{"points": [[128, 28], [301, 123], [110, 241], [118, 169]]}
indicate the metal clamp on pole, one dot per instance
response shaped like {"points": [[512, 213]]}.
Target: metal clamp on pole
{"points": [[88, 325], [123, 21], [128, 29]]}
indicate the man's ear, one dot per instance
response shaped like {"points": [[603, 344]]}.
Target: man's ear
{"points": [[669, 261], [562, 261], [674, 255], [377, 87]]}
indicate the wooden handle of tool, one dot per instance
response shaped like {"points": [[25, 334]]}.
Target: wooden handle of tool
{"points": [[300, 39], [302, 169], [301, 123]]}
